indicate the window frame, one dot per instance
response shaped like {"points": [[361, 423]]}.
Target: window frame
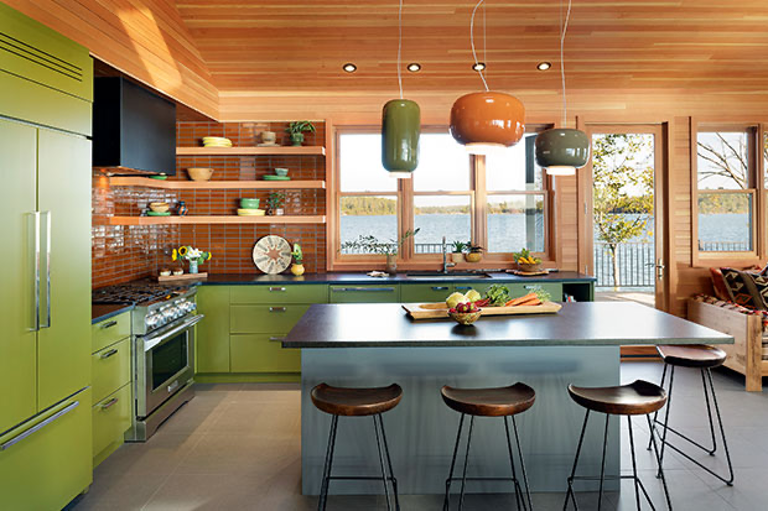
{"points": [[408, 259], [757, 192]]}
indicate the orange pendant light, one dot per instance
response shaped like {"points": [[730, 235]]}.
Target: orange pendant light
{"points": [[489, 120]]}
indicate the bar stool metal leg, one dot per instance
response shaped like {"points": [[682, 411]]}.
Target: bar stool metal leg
{"points": [[389, 463], [328, 463], [518, 490], [466, 460], [634, 462], [446, 502], [381, 462], [658, 460], [522, 464], [569, 492], [602, 463]]}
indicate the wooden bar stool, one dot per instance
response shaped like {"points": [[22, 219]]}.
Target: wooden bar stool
{"points": [[704, 358], [489, 402], [640, 397], [337, 402]]}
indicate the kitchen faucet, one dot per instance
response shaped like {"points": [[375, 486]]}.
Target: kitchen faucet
{"points": [[446, 263]]}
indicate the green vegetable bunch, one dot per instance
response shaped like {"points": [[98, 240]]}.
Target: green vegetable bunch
{"points": [[497, 294]]}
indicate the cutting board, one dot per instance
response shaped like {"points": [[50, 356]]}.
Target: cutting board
{"points": [[439, 310]]}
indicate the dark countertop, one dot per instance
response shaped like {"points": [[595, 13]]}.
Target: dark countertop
{"points": [[101, 312], [360, 278], [579, 323]]}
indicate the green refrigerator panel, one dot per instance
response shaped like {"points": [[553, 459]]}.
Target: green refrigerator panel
{"points": [[64, 201], [18, 147]]}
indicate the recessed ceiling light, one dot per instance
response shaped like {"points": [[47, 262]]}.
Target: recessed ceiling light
{"points": [[543, 66], [414, 67], [478, 66], [349, 67]]}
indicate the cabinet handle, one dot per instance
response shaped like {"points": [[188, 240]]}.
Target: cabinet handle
{"points": [[109, 324], [277, 288], [36, 277], [47, 259], [276, 309], [530, 286], [463, 288], [276, 338], [439, 288], [47, 421], [109, 353], [363, 289], [112, 401]]}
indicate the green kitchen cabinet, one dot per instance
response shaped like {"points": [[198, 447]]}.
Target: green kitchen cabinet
{"points": [[111, 369], [263, 353], [18, 204], [263, 318], [280, 294], [111, 417], [46, 461], [436, 292], [364, 293], [212, 338], [555, 290], [111, 330]]}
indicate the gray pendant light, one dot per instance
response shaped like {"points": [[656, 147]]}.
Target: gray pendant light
{"points": [[400, 125], [562, 150]]}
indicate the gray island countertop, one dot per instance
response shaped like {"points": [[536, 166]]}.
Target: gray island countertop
{"points": [[580, 323]]}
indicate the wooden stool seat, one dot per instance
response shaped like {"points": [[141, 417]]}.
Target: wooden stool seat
{"points": [[640, 397], [355, 401], [490, 401], [692, 356]]}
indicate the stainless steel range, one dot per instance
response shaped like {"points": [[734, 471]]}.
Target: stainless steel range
{"points": [[163, 349]]}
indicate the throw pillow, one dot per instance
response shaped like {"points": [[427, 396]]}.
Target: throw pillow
{"points": [[738, 289], [718, 283], [758, 285]]}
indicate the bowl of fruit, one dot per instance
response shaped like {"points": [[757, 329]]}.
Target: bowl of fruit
{"points": [[526, 261], [465, 313]]}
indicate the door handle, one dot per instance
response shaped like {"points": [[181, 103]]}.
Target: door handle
{"points": [[50, 419], [36, 277], [47, 258], [276, 309]]}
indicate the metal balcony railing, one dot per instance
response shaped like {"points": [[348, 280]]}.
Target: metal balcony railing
{"points": [[635, 265]]}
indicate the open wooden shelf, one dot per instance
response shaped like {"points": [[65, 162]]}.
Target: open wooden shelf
{"points": [[131, 181], [216, 219], [252, 151]]}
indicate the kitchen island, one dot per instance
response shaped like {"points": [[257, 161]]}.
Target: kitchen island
{"points": [[363, 345]]}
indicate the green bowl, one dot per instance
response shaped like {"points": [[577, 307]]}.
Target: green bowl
{"points": [[249, 203]]}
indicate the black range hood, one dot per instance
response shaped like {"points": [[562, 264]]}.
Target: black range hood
{"points": [[134, 130]]}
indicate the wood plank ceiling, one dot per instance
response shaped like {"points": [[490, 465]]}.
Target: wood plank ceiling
{"points": [[260, 45]]}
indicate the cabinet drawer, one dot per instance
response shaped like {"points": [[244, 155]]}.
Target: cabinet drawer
{"points": [[50, 463], [110, 330], [111, 418], [279, 294], [259, 318], [425, 292], [363, 294], [262, 353], [554, 289], [111, 369]]}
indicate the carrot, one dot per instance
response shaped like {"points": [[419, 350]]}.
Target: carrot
{"points": [[520, 300], [532, 302]]}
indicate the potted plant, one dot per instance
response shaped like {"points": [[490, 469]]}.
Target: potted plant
{"points": [[297, 268], [369, 244], [457, 253], [296, 130], [275, 203], [475, 253], [193, 255]]}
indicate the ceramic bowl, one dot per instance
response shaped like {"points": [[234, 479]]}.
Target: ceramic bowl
{"points": [[249, 203], [281, 171], [466, 318], [250, 212], [159, 207], [473, 257], [529, 267], [200, 173]]}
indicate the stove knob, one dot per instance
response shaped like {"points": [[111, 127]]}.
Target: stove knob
{"points": [[152, 320]]}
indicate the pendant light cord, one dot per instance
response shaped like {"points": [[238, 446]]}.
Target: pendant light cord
{"points": [[563, 30], [472, 41], [400, 48]]}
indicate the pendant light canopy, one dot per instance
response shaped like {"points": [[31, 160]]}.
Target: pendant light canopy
{"points": [[486, 121], [562, 150], [400, 125], [400, 131]]}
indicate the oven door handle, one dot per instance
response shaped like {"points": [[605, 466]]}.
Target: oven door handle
{"points": [[154, 341]]}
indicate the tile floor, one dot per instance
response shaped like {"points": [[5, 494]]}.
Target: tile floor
{"points": [[237, 447]]}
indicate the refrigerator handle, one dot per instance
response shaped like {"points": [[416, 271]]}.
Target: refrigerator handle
{"points": [[47, 258], [36, 277]]}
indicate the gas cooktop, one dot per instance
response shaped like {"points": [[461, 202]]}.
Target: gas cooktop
{"points": [[137, 293]]}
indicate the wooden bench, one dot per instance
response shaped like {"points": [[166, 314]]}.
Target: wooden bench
{"points": [[745, 356]]}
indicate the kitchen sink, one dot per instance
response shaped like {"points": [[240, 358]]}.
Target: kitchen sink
{"points": [[449, 276]]}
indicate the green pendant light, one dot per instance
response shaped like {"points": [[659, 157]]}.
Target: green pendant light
{"points": [[400, 125], [562, 150]]}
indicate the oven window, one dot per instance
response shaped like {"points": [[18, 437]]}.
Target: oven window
{"points": [[169, 359]]}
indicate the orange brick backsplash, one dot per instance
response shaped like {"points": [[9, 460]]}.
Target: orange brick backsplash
{"points": [[126, 253]]}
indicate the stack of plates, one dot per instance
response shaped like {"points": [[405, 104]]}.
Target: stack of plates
{"points": [[274, 177], [217, 142], [250, 212]]}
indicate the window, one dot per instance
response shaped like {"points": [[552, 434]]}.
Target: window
{"points": [[500, 202], [515, 204], [726, 185]]}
